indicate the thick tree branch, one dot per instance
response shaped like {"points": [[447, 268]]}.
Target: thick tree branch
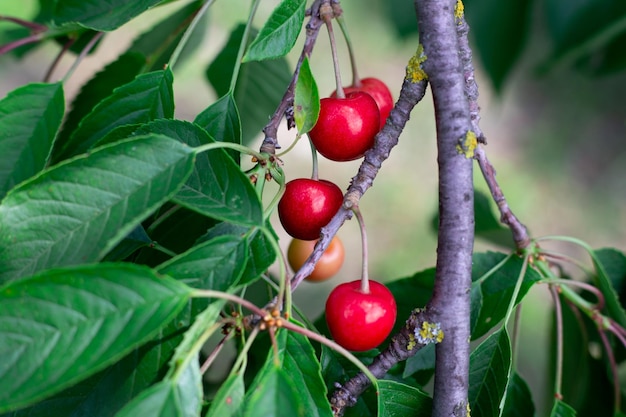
{"points": [[437, 22]]}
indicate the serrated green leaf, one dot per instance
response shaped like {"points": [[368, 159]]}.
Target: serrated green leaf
{"points": [[492, 290], [280, 32], [561, 409], [221, 121], [519, 401], [490, 364], [273, 396], [148, 97], [399, 400], [500, 31], [172, 397], [229, 398], [114, 75], [78, 211], [77, 321], [259, 89], [99, 15], [29, 119], [306, 101], [217, 187]]}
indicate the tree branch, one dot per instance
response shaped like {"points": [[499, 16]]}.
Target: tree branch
{"points": [[437, 24]]}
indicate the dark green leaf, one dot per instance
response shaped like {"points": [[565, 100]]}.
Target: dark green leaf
{"points": [[29, 119], [229, 398], [280, 32], [172, 397], [77, 321], [274, 395], [560, 409], [99, 15], [487, 226], [402, 15], [411, 292], [423, 360], [78, 211], [221, 121], [259, 89], [400, 400], [114, 75], [490, 364], [499, 30], [135, 240], [306, 101], [147, 97], [519, 401], [492, 290], [610, 266], [217, 187]]}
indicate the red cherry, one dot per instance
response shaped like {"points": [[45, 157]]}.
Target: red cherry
{"points": [[308, 205], [328, 265], [346, 127], [379, 92], [359, 321]]}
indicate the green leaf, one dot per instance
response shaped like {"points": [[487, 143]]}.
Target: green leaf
{"points": [[610, 267], [306, 102], [402, 15], [519, 401], [172, 397], [29, 119], [114, 75], [78, 211], [490, 364], [399, 400], [229, 398], [560, 409], [280, 32], [75, 322], [148, 97], [423, 360], [136, 239], [487, 226], [259, 89], [221, 121], [500, 31], [274, 396], [217, 187], [99, 15], [492, 289]]}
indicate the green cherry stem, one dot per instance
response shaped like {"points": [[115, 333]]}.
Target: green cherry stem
{"points": [[231, 145], [356, 80], [187, 35], [243, 45], [518, 285], [365, 282], [327, 16], [315, 170], [211, 358], [284, 289]]}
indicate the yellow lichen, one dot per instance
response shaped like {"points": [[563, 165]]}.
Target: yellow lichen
{"points": [[429, 333], [467, 145], [412, 343], [414, 71], [469, 410], [459, 10]]}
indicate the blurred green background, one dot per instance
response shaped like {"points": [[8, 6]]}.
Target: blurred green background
{"points": [[556, 135]]}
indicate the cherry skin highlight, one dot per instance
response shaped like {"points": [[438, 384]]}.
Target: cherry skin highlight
{"points": [[308, 205], [379, 92], [346, 127], [328, 265], [359, 321]]}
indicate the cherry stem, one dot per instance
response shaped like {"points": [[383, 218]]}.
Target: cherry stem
{"points": [[92, 42], [365, 282], [613, 366], [34, 26], [20, 42], [57, 59], [211, 358], [356, 80], [327, 15], [197, 16], [559, 341], [315, 170]]}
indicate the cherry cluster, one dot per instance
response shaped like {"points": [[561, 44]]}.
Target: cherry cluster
{"points": [[360, 314]]}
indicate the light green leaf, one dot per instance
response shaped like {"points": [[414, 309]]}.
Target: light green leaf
{"points": [[148, 97], [273, 396], [306, 102], [229, 398], [78, 211], [280, 32], [400, 400], [173, 397], [221, 121], [29, 119], [99, 15], [490, 364], [62, 325]]}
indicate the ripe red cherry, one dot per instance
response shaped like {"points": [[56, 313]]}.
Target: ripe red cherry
{"points": [[307, 206], [346, 127], [359, 321], [379, 92], [328, 265]]}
